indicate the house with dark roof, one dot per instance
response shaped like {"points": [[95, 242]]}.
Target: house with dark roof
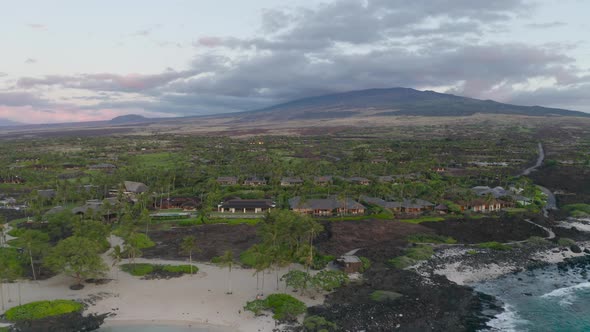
{"points": [[227, 180], [291, 181], [255, 181], [95, 206], [330, 206], [409, 206], [47, 193], [246, 206], [359, 180], [386, 179], [102, 167], [511, 194], [483, 205], [135, 187], [185, 203], [323, 180]]}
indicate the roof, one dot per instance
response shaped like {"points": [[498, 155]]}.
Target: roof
{"points": [[94, 205], [135, 187], [324, 178], [406, 203], [330, 203], [248, 203], [46, 193], [349, 259]]}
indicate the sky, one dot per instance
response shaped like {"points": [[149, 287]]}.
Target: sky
{"points": [[67, 60]]}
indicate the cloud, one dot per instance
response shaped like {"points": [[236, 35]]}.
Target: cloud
{"points": [[37, 26], [344, 45], [30, 61], [15, 98], [576, 97], [106, 81], [546, 25]]}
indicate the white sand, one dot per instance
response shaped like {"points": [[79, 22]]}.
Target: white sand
{"points": [[198, 299]]}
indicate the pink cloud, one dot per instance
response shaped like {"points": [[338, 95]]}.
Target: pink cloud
{"points": [[209, 42], [27, 114]]}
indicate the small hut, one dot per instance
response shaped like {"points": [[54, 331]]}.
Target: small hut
{"points": [[350, 263]]}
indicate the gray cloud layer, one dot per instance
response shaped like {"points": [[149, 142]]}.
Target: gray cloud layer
{"points": [[353, 44]]}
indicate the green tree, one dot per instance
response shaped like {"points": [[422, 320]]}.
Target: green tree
{"points": [[35, 243], [227, 259], [117, 256], [10, 270], [78, 257], [299, 280], [188, 246], [134, 243]]}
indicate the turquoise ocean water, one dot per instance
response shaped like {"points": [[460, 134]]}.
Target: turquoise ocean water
{"points": [[546, 299]]}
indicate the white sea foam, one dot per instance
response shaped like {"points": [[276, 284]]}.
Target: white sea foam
{"points": [[507, 321], [567, 295]]}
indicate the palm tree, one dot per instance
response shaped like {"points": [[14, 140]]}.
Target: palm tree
{"points": [[228, 260], [188, 246], [261, 262], [117, 256]]}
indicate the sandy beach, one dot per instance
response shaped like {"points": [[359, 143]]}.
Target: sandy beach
{"points": [[198, 299]]}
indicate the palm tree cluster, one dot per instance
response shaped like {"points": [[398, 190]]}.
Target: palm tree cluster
{"points": [[287, 237]]}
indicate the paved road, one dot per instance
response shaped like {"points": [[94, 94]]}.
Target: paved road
{"points": [[551, 201], [539, 161]]}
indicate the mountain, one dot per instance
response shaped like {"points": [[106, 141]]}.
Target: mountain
{"points": [[129, 118], [394, 102], [8, 123]]}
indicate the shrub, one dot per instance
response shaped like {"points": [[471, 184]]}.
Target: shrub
{"points": [[329, 280], [317, 324], [216, 260], [321, 261], [283, 306], [401, 262], [420, 253], [471, 252], [494, 246], [189, 222], [366, 263], [538, 241], [431, 238], [42, 309], [248, 258], [143, 269], [384, 296], [139, 269], [566, 242], [578, 210], [185, 269]]}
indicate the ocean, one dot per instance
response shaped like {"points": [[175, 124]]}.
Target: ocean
{"points": [[544, 299]]}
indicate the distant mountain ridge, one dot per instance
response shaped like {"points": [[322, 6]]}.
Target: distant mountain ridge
{"points": [[129, 118], [395, 102], [8, 123]]}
